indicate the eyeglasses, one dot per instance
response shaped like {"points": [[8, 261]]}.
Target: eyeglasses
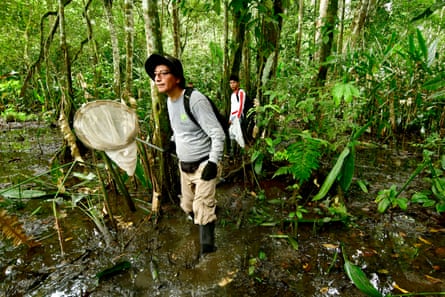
{"points": [[161, 73]]}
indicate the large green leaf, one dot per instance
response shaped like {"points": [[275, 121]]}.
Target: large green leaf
{"points": [[332, 176], [358, 277], [23, 194], [422, 45], [347, 172]]}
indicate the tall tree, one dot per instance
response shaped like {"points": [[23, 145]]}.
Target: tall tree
{"points": [[362, 15], [226, 58], [240, 17], [129, 28], [165, 178], [67, 81], [342, 27], [108, 4], [176, 29], [271, 22], [299, 28], [325, 40]]}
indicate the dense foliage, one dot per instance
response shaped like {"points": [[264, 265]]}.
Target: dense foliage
{"points": [[384, 68]]}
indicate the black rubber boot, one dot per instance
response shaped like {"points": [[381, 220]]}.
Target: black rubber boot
{"points": [[207, 238]]}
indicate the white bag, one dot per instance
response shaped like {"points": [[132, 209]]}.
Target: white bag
{"points": [[236, 133]]}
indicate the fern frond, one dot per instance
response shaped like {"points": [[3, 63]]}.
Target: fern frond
{"points": [[12, 229], [303, 158]]}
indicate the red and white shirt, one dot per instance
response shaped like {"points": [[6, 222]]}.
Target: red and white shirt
{"points": [[237, 100]]}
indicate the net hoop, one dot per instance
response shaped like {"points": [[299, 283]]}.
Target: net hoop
{"points": [[106, 125]]}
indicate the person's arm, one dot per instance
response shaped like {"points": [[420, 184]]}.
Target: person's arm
{"points": [[210, 125], [241, 98]]}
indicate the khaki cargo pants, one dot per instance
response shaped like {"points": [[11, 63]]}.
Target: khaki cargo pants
{"points": [[198, 196]]}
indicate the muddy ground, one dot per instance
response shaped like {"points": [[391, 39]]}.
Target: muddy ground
{"points": [[398, 250]]}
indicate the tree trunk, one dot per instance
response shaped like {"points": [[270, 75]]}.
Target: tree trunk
{"points": [[246, 64], [92, 41], [238, 33], [319, 26], [165, 178], [44, 47], [129, 43], [66, 84], [272, 22], [226, 61], [342, 28], [362, 16], [328, 14], [176, 25], [115, 45], [299, 29]]}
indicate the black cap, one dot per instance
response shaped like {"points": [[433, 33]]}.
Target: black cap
{"points": [[174, 64]]}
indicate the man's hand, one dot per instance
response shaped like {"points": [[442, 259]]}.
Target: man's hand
{"points": [[210, 171], [171, 148]]}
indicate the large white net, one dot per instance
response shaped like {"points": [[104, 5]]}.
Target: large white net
{"points": [[111, 127]]}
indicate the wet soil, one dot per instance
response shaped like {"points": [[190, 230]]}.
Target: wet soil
{"points": [[398, 250]]}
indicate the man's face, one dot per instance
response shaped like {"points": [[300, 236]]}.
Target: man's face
{"points": [[164, 79], [234, 85]]}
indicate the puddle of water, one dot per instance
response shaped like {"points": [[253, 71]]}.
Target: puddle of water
{"points": [[400, 247], [25, 150]]}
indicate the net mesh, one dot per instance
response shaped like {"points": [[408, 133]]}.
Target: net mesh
{"points": [[111, 127]]}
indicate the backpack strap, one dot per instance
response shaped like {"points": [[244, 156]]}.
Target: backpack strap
{"points": [[187, 94]]}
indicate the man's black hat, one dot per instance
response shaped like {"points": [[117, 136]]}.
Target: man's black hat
{"points": [[174, 64]]}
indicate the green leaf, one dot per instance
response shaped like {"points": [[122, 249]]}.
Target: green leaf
{"points": [[332, 176], [440, 207], [293, 242], [383, 205], [347, 172], [23, 194], [346, 91], [402, 203], [362, 186], [140, 174], [422, 45], [358, 277], [116, 269], [435, 83], [89, 177], [419, 197], [337, 93]]}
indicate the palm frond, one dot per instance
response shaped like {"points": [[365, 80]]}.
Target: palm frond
{"points": [[12, 229]]}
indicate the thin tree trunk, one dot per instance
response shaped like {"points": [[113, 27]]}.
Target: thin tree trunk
{"points": [[320, 23], [44, 46], [342, 28], [269, 46], [226, 71], [315, 4], [92, 41], [165, 178], [328, 16], [176, 29], [246, 64], [66, 82], [299, 29], [129, 25], [115, 46], [238, 32], [360, 20]]}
